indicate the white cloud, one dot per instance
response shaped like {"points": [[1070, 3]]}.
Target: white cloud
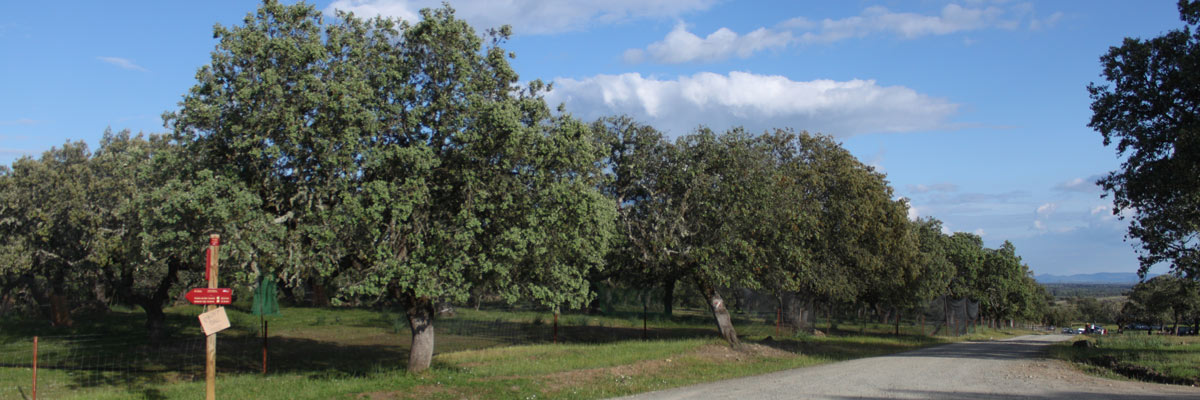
{"points": [[936, 187], [1084, 185], [1046, 209], [1105, 213], [953, 18], [1039, 225], [528, 16], [123, 63], [681, 46], [980, 232], [840, 108], [1037, 24], [913, 214]]}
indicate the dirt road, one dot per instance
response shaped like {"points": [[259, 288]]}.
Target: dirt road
{"points": [[1001, 370]]}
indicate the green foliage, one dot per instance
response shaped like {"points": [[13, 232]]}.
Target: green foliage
{"points": [[1067, 290], [401, 158], [1061, 314], [1152, 112], [1093, 310], [1161, 299], [400, 162]]}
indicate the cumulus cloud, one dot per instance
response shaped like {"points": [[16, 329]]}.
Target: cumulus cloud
{"points": [[1105, 213], [936, 187], [528, 16], [840, 108], [1083, 185], [123, 63], [1038, 24], [980, 232], [877, 19], [681, 46]]}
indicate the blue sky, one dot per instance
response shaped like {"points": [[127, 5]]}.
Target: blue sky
{"points": [[976, 110]]}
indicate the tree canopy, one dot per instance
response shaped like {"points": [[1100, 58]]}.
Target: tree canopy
{"points": [[402, 158], [1150, 109], [384, 162]]}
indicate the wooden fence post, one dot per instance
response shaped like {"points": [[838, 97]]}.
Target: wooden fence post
{"points": [[210, 348]]}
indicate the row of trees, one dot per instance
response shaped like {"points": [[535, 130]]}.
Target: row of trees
{"points": [[792, 214], [389, 162]]}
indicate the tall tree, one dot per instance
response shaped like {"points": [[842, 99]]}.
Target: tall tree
{"points": [[930, 273], [402, 159], [715, 180], [637, 162], [152, 206], [1151, 110], [48, 217]]}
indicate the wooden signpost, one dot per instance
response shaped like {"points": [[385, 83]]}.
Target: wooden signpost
{"points": [[210, 348]]}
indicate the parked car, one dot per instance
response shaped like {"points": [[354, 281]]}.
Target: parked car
{"points": [[1068, 330]]}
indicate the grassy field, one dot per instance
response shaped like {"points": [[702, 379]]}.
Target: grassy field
{"points": [[356, 353], [1154, 358]]}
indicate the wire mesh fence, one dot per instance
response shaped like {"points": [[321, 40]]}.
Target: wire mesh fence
{"points": [[355, 342]]}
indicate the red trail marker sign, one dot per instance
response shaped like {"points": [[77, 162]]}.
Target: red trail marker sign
{"points": [[202, 296]]}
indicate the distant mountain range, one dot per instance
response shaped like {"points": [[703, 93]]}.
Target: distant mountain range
{"points": [[1097, 278]]}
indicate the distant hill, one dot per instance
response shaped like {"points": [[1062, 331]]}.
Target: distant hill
{"points": [[1129, 278]]}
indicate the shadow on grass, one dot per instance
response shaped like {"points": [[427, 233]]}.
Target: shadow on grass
{"points": [[848, 344], [112, 350]]}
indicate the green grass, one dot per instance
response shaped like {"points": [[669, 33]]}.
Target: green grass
{"points": [[1155, 358], [321, 353]]}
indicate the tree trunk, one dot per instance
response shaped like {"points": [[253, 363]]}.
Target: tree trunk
{"points": [[809, 315], [717, 305], [156, 321], [795, 314], [668, 298], [897, 322], [832, 323], [60, 310], [862, 322], [420, 319], [319, 297]]}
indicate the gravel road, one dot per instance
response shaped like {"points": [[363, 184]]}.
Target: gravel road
{"points": [[1002, 370]]}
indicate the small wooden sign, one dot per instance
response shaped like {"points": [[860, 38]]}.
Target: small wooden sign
{"points": [[204, 296], [214, 321]]}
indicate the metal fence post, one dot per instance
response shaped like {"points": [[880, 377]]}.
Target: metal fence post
{"points": [[35, 351]]}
